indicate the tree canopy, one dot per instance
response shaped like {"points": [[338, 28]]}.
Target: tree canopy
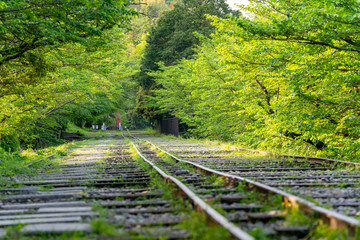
{"points": [[285, 74], [53, 53], [174, 37]]}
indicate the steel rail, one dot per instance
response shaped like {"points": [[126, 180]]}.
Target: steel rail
{"points": [[333, 218], [199, 203], [315, 159]]}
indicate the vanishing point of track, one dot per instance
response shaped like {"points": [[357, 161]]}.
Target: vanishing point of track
{"points": [[101, 190]]}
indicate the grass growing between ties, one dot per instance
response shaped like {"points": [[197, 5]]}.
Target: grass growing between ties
{"points": [[101, 227], [225, 149], [195, 223], [322, 231], [273, 150], [293, 217], [199, 228]]}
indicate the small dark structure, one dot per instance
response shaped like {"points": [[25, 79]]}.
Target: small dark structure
{"points": [[73, 136], [169, 126], [112, 128]]}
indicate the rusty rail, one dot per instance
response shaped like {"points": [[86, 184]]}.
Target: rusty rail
{"points": [[199, 203], [315, 159], [333, 218]]}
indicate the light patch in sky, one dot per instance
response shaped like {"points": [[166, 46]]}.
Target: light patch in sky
{"points": [[233, 2]]}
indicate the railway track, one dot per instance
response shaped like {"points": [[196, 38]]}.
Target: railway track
{"points": [[100, 191], [113, 188], [331, 188]]}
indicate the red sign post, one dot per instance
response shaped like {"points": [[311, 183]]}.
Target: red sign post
{"points": [[118, 121]]}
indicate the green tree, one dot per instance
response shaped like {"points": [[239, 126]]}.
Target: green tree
{"points": [[45, 47], [172, 39], [85, 85], [149, 13], [285, 75]]}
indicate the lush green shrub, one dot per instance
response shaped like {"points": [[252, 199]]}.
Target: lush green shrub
{"points": [[9, 142], [285, 80]]}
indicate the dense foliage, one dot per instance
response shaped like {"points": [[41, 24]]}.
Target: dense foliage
{"points": [[284, 75], [172, 39], [150, 11], [56, 53]]}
